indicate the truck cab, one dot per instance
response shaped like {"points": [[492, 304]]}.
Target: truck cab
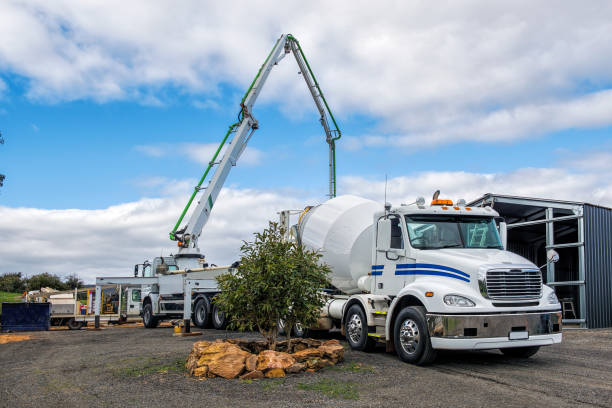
{"points": [[449, 283]]}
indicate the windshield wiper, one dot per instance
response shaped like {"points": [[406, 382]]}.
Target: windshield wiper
{"points": [[451, 246], [494, 247]]}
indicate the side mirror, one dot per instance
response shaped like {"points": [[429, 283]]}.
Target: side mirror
{"points": [[503, 231], [552, 256], [136, 270], [383, 235]]}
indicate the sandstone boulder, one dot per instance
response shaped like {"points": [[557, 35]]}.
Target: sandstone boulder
{"points": [[296, 368], [269, 359], [332, 350], [223, 359], [252, 375], [250, 363], [275, 373], [306, 354]]}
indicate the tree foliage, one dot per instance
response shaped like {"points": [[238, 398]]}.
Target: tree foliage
{"points": [[276, 280], [45, 280], [12, 282], [73, 281]]}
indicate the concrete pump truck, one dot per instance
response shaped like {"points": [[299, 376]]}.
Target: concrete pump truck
{"points": [[183, 285]]}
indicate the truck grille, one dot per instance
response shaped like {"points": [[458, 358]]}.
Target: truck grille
{"points": [[511, 284]]}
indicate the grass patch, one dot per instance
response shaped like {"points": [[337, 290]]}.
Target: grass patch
{"points": [[151, 367], [352, 368], [272, 384], [9, 297], [333, 388]]}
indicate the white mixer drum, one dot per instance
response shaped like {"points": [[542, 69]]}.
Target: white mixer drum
{"points": [[341, 229]]}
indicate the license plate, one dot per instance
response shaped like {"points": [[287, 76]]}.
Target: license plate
{"points": [[518, 335]]}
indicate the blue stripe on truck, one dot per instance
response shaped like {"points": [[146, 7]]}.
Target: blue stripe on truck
{"points": [[431, 266], [428, 272]]}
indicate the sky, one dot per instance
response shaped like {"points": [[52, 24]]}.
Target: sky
{"points": [[110, 111]]}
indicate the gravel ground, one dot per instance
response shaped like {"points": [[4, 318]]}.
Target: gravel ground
{"points": [[133, 366]]}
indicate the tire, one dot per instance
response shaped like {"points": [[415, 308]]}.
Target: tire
{"points": [[280, 327], [74, 325], [218, 318], [149, 321], [300, 331], [201, 313], [520, 352], [411, 336], [356, 329]]}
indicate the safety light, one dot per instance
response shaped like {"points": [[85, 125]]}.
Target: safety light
{"points": [[429, 294], [442, 202]]}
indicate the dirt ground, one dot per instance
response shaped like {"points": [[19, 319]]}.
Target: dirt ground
{"points": [[134, 366]]}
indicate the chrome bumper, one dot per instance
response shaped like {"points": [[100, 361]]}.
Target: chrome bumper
{"points": [[493, 325]]}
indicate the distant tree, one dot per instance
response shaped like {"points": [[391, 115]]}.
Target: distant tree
{"points": [[276, 280], [45, 280], [12, 282], [73, 281]]}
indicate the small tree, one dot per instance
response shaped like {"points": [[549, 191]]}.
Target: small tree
{"points": [[12, 282], [276, 280], [73, 281], [45, 280]]}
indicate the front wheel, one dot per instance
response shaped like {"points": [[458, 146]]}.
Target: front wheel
{"points": [[411, 337], [520, 352], [149, 321], [219, 320], [356, 328], [74, 324]]}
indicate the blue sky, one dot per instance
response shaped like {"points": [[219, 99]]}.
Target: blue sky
{"points": [[111, 110]]}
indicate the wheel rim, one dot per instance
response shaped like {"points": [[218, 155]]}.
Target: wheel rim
{"points": [[354, 328], [218, 316], [201, 314], [299, 330], [409, 336], [147, 315]]}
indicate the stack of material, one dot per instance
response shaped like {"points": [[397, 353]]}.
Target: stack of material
{"points": [[235, 358]]}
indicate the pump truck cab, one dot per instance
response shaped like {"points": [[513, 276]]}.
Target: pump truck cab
{"points": [[421, 278]]}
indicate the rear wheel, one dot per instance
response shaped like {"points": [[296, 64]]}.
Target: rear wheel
{"points": [[300, 331], [74, 325], [218, 318], [356, 328], [520, 352], [149, 321], [411, 337], [201, 313]]}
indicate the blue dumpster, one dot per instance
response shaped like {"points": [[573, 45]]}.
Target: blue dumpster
{"points": [[25, 316]]}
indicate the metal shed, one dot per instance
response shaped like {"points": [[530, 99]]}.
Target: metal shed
{"points": [[582, 235]]}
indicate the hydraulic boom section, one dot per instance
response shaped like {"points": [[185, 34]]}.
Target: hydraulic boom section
{"points": [[242, 131]]}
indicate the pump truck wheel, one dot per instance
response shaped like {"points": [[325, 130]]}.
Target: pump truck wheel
{"points": [[149, 321], [218, 318], [356, 328], [411, 337], [74, 325], [201, 313], [520, 352]]}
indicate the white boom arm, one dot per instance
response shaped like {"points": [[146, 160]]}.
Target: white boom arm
{"points": [[189, 235]]}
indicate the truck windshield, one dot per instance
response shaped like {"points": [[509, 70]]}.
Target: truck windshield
{"points": [[435, 232]]}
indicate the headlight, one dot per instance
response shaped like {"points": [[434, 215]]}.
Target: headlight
{"points": [[460, 301], [552, 298]]}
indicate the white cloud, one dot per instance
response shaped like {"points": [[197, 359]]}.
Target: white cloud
{"points": [[470, 70], [200, 152], [109, 241]]}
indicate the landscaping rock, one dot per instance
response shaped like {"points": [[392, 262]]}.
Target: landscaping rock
{"points": [[306, 354], [332, 350], [223, 359], [250, 363], [296, 368], [275, 373], [252, 375], [200, 371], [269, 359]]}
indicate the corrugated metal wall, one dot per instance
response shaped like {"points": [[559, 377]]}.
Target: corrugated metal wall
{"points": [[598, 265]]}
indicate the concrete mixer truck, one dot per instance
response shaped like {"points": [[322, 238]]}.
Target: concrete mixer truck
{"points": [[421, 278]]}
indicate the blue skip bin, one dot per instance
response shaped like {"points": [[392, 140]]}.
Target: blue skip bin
{"points": [[25, 316]]}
